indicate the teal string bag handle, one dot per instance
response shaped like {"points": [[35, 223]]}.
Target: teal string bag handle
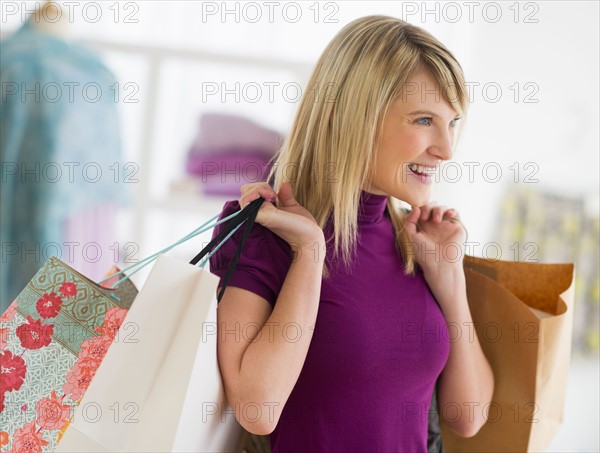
{"points": [[150, 259], [235, 221], [248, 215]]}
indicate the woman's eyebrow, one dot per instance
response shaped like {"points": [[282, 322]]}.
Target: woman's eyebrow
{"points": [[427, 112]]}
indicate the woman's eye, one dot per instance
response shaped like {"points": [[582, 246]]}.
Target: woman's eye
{"points": [[428, 123]]}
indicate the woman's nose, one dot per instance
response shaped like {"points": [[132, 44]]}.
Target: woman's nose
{"points": [[443, 146]]}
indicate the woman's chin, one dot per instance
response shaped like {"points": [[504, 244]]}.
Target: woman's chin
{"points": [[414, 197], [418, 200]]}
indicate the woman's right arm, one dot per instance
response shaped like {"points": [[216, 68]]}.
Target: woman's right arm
{"points": [[261, 350]]}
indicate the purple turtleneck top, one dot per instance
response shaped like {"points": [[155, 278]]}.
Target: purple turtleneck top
{"points": [[379, 343]]}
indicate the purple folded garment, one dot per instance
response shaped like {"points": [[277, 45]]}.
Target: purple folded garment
{"points": [[220, 131], [224, 174], [200, 163], [231, 151]]}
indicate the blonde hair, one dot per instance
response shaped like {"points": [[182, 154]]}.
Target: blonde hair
{"points": [[327, 157]]}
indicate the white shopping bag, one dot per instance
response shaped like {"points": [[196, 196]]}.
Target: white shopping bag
{"points": [[159, 388]]}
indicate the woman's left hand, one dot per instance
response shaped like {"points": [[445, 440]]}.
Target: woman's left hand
{"points": [[438, 238]]}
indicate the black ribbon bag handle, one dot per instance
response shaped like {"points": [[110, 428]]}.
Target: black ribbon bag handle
{"points": [[248, 215]]}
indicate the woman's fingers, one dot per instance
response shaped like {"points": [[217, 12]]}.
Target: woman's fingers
{"points": [[411, 220], [436, 213], [425, 212], [428, 212], [452, 214], [286, 195], [251, 192], [258, 189]]}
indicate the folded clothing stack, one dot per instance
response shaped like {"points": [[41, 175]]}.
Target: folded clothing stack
{"points": [[230, 151]]}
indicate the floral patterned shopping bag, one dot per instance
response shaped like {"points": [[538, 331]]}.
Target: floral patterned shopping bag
{"points": [[52, 339]]}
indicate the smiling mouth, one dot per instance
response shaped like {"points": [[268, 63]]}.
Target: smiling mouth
{"points": [[422, 170]]}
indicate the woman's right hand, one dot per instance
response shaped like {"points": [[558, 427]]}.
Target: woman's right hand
{"points": [[292, 222]]}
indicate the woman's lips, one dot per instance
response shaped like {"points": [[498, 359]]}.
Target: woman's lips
{"points": [[425, 178]]}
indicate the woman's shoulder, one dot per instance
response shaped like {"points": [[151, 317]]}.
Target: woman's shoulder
{"points": [[262, 244], [264, 261]]}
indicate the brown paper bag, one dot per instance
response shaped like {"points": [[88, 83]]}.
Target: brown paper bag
{"points": [[523, 316]]}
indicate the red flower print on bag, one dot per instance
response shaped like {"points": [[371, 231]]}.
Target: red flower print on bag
{"points": [[77, 382], [91, 354], [95, 348], [10, 312], [4, 333], [27, 440], [51, 413], [12, 371], [112, 322], [81, 373], [48, 306], [35, 335], [68, 289], [87, 366]]}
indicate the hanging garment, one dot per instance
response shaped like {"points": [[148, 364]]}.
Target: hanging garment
{"points": [[59, 147]]}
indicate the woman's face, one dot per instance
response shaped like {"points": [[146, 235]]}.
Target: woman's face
{"points": [[417, 134]]}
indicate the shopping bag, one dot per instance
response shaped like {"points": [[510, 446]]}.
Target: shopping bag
{"points": [[52, 339], [523, 316], [162, 390]]}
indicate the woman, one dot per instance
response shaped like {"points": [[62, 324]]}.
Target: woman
{"points": [[333, 330]]}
